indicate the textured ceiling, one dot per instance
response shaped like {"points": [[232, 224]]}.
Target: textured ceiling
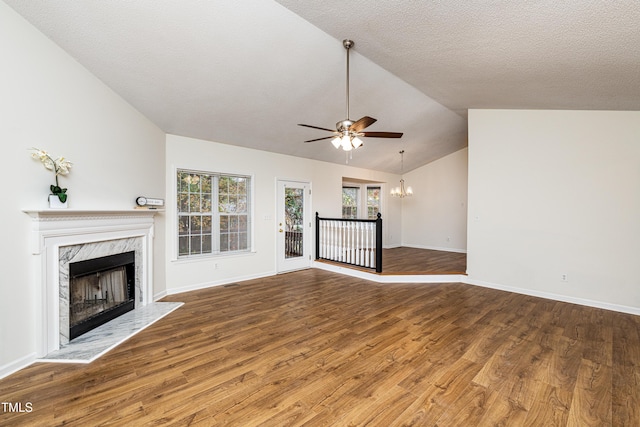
{"points": [[245, 72], [572, 54]]}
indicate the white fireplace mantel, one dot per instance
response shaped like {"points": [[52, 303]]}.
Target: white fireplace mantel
{"points": [[52, 222], [55, 228]]}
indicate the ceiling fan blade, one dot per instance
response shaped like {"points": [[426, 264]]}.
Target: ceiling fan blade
{"points": [[320, 139], [316, 127], [382, 134], [364, 122]]}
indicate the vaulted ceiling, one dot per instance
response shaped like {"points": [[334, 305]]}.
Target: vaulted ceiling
{"points": [[245, 72]]}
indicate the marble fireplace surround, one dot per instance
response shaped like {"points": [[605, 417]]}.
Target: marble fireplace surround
{"points": [[63, 236], [92, 250]]}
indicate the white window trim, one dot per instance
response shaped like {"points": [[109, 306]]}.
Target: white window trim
{"points": [[175, 258], [362, 196]]}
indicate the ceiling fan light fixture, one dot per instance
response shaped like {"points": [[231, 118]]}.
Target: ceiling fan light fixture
{"points": [[336, 142], [345, 142], [356, 142]]}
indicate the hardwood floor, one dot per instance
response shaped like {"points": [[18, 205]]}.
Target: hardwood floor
{"points": [[315, 348], [405, 260]]}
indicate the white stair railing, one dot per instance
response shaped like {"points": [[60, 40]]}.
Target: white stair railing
{"points": [[351, 241]]}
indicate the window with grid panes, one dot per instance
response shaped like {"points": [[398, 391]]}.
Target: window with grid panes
{"points": [[213, 213], [350, 202], [373, 202]]}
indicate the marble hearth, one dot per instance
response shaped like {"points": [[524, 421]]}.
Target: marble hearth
{"points": [[63, 236]]}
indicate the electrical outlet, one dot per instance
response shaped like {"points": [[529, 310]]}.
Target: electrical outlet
{"points": [[215, 266], [564, 277]]}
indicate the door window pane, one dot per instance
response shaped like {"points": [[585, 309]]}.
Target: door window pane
{"points": [[294, 219]]}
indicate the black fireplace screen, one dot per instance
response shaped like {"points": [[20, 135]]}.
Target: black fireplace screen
{"points": [[100, 290]]}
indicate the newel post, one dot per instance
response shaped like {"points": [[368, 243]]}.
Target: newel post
{"points": [[379, 243], [317, 236]]}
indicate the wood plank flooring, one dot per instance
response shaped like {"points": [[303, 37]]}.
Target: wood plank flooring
{"points": [[314, 348], [404, 260]]}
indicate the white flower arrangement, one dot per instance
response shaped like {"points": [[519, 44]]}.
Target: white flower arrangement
{"points": [[59, 166]]}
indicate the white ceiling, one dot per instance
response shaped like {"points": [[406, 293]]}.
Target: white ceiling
{"points": [[245, 72]]}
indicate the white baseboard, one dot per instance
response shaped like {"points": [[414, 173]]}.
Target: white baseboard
{"points": [[462, 278], [17, 364], [556, 297], [205, 285], [159, 295], [435, 248], [390, 278]]}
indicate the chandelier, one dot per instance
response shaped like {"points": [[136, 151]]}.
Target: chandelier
{"points": [[401, 191]]}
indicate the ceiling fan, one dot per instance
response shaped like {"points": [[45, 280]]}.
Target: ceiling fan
{"points": [[348, 133]]}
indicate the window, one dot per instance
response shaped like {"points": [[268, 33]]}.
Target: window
{"points": [[213, 213], [361, 200], [373, 202], [350, 202]]}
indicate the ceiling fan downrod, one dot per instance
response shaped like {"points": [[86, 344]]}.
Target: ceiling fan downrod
{"points": [[348, 44]]}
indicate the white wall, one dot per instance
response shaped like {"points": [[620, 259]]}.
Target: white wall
{"points": [[553, 193], [436, 216], [266, 168], [51, 102]]}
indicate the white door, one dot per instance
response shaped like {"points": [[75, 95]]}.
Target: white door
{"points": [[293, 225]]}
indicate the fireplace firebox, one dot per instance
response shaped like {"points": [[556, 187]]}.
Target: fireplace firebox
{"points": [[100, 290]]}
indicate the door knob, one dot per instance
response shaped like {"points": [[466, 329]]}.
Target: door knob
{"points": [[280, 230]]}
